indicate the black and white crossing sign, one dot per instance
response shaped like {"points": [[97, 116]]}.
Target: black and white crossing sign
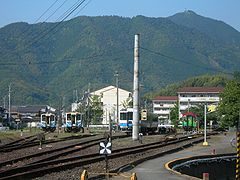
{"points": [[105, 148]]}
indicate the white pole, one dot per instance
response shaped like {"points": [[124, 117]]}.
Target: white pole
{"points": [[205, 143], [135, 130], [116, 74], [9, 104]]}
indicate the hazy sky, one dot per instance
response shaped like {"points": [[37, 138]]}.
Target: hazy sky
{"points": [[30, 10]]}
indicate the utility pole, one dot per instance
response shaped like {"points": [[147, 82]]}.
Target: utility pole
{"points": [[135, 130], [116, 75], [4, 101], [9, 104], [238, 148], [205, 143], [88, 106]]}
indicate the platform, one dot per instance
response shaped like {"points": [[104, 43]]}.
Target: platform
{"points": [[155, 169]]}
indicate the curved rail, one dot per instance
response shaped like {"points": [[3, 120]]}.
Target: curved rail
{"points": [[36, 169]]}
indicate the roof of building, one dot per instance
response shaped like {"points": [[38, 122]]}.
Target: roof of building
{"points": [[108, 88], [189, 114], [200, 89], [166, 98], [30, 109]]}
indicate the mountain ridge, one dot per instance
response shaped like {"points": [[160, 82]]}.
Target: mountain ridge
{"points": [[90, 49]]}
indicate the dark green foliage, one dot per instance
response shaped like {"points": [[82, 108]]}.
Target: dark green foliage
{"points": [[86, 50], [174, 115], [96, 110], [229, 107], [214, 29]]}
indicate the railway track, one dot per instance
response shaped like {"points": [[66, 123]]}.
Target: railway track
{"points": [[39, 168], [18, 142], [53, 153], [33, 141]]}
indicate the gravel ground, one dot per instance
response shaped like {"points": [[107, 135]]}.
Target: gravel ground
{"points": [[93, 168], [5, 156], [99, 167]]}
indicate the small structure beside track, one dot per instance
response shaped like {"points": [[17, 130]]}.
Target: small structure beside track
{"points": [[221, 166]]}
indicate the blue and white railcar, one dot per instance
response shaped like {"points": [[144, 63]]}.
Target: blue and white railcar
{"points": [[126, 119], [48, 122], [73, 122]]}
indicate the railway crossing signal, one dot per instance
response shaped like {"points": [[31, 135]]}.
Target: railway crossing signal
{"points": [[105, 148]]}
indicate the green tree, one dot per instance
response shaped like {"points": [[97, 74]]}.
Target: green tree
{"points": [[128, 103], [229, 107], [174, 115], [96, 109]]}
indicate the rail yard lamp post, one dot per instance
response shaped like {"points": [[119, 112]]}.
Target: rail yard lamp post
{"points": [[238, 149], [9, 104], [205, 143]]}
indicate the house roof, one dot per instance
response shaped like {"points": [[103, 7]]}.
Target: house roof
{"points": [[108, 88], [30, 109], [165, 98], [200, 90], [189, 114]]}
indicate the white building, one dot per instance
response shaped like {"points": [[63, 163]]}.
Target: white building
{"points": [[187, 97], [109, 101], [192, 96], [162, 106]]}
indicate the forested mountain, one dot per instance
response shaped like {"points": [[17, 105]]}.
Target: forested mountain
{"points": [[48, 61], [215, 29]]}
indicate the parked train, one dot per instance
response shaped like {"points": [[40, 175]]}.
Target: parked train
{"points": [[73, 122], [145, 125], [189, 121], [48, 122]]}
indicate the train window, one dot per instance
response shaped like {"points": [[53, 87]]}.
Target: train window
{"points": [[52, 117], [130, 116], [44, 118], [73, 117], [123, 116], [78, 116], [68, 116]]}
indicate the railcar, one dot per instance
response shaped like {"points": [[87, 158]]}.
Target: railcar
{"points": [[73, 122], [189, 121], [48, 122], [145, 125], [125, 120]]}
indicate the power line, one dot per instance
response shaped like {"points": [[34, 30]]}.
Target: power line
{"points": [[54, 27], [55, 11], [46, 11], [27, 28], [68, 10], [82, 8], [183, 61], [71, 59], [46, 32]]}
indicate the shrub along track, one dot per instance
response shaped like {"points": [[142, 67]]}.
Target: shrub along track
{"points": [[95, 162]]}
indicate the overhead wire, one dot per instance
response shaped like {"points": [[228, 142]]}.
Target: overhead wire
{"points": [[56, 25], [183, 61], [27, 28], [68, 10], [82, 8], [54, 12], [46, 32], [46, 11], [105, 53]]}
